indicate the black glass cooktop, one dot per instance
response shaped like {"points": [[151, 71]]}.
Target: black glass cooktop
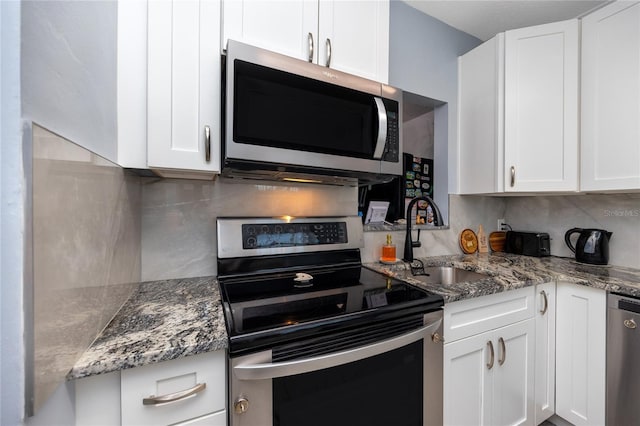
{"points": [[268, 308]]}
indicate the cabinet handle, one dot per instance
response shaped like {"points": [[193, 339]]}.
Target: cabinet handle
{"points": [[310, 41], [546, 302], [513, 176], [174, 397], [207, 143], [491, 359], [502, 359], [328, 47]]}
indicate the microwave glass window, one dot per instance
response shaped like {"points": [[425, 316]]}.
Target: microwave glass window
{"points": [[281, 110]]}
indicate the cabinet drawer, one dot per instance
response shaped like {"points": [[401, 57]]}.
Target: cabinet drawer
{"points": [[170, 377], [472, 316]]}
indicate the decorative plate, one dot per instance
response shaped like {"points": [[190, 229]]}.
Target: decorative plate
{"points": [[468, 241]]}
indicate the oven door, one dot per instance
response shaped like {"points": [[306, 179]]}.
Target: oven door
{"points": [[394, 381]]}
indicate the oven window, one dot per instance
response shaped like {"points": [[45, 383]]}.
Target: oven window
{"points": [[383, 390]]}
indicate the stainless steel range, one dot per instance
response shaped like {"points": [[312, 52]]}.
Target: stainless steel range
{"points": [[315, 338]]}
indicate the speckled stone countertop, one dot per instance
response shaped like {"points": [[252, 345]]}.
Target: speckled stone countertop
{"points": [[162, 320], [508, 272], [165, 320]]}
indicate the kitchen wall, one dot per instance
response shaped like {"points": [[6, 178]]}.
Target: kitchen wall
{"points": [[423, 60], [178, 217], [69, 70], [12, 190], [86, 252], [619, 213]]}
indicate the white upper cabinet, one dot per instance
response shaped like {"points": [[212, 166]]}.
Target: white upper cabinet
{"points": [[183, 122], [132, 84], [518, 112], [541, 108], [350, 36], [287, 27], [481, 118], [610, 140], [354, 37]]}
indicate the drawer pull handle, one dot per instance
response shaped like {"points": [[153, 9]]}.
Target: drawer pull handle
{"points": [[513, 176], [490, 363], [503, 358], [546, 302], [173, 397]]}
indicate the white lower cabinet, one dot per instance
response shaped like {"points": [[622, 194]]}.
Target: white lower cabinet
{"points": [[489, 360], [545, 352], [581, 354], [189, 391]]}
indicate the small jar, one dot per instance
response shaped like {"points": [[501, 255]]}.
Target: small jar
{"points": [[388, 251]]}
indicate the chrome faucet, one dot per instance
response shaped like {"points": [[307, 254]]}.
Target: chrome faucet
{"points": [[408, 242]]}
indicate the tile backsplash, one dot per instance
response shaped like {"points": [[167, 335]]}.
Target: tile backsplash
{"points": [[618, 213], [179, 217], [86, 252]]}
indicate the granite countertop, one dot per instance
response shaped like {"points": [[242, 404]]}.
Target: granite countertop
{"points": [[162, 320], [169, 319], [509, 271]]}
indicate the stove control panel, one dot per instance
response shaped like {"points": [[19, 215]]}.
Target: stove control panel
{"points": [[270, 235]]}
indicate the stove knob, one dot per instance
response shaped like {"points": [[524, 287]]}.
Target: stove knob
{"points": [[241, 405]]}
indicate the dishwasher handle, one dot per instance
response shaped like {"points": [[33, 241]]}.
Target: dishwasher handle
{"points": [[291, 368]]}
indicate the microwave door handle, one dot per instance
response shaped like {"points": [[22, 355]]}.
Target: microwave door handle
{"points": [[291, 368], [382, 128]]}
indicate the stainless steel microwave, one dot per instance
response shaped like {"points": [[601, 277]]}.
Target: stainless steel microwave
{"points": [[293, 120]]}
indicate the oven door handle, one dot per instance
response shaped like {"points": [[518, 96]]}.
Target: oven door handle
{"points": [[291, 368]]}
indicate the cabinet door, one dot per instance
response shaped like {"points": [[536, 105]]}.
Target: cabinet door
{"points": [[132, 84], [541, 108], [513, 388], [289, 27], [580, 354], [481, 118], [171, 377], [610, 150], [354, 37], [184, 86], [545, 368], [468, 381]]}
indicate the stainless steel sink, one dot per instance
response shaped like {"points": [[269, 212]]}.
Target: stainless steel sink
{"points": [[447, 275]]}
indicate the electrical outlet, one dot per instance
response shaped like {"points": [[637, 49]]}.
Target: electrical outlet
{"points": [[501, 224]]}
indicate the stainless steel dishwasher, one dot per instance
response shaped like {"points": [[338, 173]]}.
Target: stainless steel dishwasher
{"points": [[623, 360]]}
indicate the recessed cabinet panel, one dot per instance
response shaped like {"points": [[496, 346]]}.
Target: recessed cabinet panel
{"points": [[580, 354], [468, 383], [353, 37], [545, 360], [183, 123], [611, 98], [350, 36], [171, 377], [514, 382], [541, 108], [481, 118], [279, 26]]}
